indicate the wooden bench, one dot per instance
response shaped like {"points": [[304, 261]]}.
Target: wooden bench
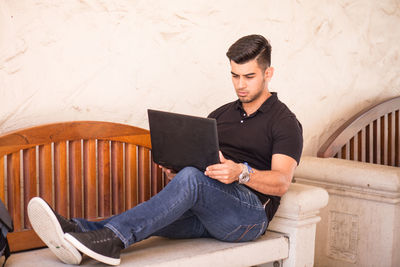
{"points": [[97, 169], [358, 166], [372, 135]]}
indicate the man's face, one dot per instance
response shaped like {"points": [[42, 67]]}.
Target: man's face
{"points": [[249, 80]]}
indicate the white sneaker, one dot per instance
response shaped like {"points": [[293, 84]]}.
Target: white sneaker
{"points": [[48, 228]]}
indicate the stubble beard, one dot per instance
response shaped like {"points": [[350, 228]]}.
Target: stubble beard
{"points": [[249, 99]]}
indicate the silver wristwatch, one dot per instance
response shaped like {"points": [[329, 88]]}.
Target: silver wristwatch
{"points": [[244, 177]]}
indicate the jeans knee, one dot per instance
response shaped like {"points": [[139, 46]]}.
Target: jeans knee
{"points": [[190, 175], [189, 171]]}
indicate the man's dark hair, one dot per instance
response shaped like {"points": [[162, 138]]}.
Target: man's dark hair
{"points": [[251, 47]]}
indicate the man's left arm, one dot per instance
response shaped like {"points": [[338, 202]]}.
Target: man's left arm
{"points": [[272, 182]]}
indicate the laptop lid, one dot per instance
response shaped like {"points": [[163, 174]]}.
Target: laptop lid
{"points": [[180, 141]]}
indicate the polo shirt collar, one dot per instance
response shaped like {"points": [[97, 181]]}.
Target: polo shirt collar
{"points": [[265, 106]]}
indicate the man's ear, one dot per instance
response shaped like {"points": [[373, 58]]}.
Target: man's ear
{"points": [[269, 72]]}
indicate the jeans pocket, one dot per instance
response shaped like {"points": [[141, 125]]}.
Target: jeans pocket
{"points": [[244, 233]]}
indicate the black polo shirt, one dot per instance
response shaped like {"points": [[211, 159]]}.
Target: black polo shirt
{"points": [[254, 138]]}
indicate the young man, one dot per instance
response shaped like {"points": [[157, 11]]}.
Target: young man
{"points": [[261, 143]]}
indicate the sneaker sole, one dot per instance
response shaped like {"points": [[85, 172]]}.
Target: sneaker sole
{"points": [[85, 250], [47, 227]]}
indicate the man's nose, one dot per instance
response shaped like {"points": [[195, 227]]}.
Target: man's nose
{"points": [[242, 83]]}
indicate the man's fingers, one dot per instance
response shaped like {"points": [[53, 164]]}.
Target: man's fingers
{"points": [[221, 157], [217, 174], [216, 171], [216, 167], [166, 169]]}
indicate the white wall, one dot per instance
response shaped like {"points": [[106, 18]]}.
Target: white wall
{"points": [[111, 60]]}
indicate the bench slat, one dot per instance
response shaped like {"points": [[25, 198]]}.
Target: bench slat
{"points": [[156, 178], [2, 181], [29, 173], [14, 190], [117, 177], [89, 167], [144, 174], [390, 140], [75, 178], [104, 184], [45, 175], [131, 187], [60, 178]]}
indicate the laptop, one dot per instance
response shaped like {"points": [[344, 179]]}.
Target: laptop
{"points": [[180, 141]]}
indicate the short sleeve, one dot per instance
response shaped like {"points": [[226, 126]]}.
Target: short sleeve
{"points": [[288, 138]]}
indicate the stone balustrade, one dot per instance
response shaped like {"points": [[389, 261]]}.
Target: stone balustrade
{"points": [[361, 224]]}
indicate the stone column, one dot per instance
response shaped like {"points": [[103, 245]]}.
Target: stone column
{"points": [[297, 218]]}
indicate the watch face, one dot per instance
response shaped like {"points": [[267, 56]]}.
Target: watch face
{"points": [[244, 177]]}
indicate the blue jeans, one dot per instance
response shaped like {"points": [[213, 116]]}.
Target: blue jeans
{"points": [[191, 205]]}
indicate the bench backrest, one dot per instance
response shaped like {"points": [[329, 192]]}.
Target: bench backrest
{"points": [[83, 169], [372, 135]]}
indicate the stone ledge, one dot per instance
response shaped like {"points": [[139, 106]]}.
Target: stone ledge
{"points": [[158, 251], [351, 175]]}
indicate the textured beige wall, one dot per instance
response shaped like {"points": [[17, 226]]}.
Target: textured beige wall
{"points": [[111, 60]]}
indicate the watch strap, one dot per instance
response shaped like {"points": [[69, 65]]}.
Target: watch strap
{"points": [[249, 169]]}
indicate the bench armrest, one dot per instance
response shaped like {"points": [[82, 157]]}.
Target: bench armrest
{"points": [[297, 218]]}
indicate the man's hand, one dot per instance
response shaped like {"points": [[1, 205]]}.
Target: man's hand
{"points": [[170, 174], [226, 172]]}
